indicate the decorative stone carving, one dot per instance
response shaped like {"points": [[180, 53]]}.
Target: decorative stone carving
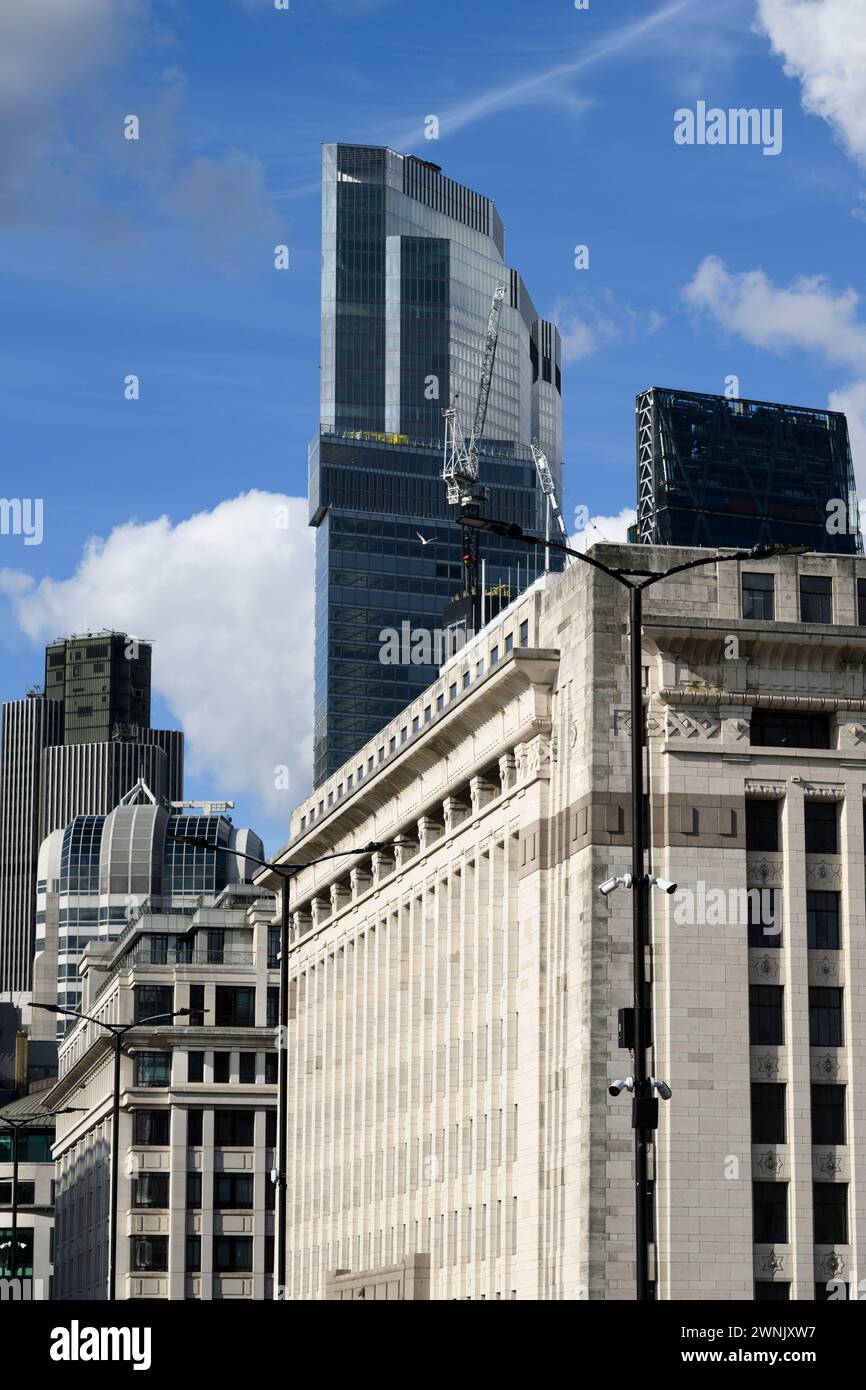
{"points": [[852, 735], [814, 791], [359, 880], [830, 1162], [826, 1065], [823, 874], [768, 1162], [824, 970], [772, 1263], [622, 723], [454, 812], [681, 724], [429, 830], [764, 967], [482, 792], [771, 791], [767, 1066], [764, 873], [538, 757], [404, 850], [302, 922], [383, 865], [320, 909], [341, 896], [507, 771], [831, 1264]]}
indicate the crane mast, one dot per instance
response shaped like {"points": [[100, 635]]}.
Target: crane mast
{"points": [[460, 471], [545, 477]]}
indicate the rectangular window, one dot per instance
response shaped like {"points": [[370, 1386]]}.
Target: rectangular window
{"points": [[780, 729], [193, 1254], [151, 1127], [26, 1193], [193, 1191], [196, 1006], [216, 945], [232, 1191], [822, 920], [861, 602], [825, 1016], [452, 691], [159, 948], [247, 1068], [509, 642], [762, 825], [149, 1254], [150, 1190], [235, 1006], [440, 702], [524, 633], [416, 723], [222, 1068], [232, 1254], [816, 599], [428, 714], [765, 1015], [828, 1114], [234, 1127], [768, 1112], [770, 1213], [271, 1068], [822, 827], [764, 908], [153, 1001], [479, 667], [466, 679], [273, 947], [194, 1128], [273, 1005], [772, 1291], [758, 597], [271, 1128], [153, 1068], [830, 1207], [494, 655]]}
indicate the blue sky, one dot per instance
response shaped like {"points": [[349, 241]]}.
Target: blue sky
{"points": [[155, 257]]}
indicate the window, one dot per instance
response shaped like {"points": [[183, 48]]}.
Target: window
{"points": [[524, 633], [271, 1128], [479, 667], [830, 1208], [235, 1006], [822, 920], [232, 1190], [151, 1127], [150, 1190], [428, 714], [194, 1127], [416, 723], [452, 692], [149, 1253], [271, 1068], [34, 1146], [24, 1262], [466, 679], [273, 947], [273, 1005], [758, 597], [193, 1254], [216, 944], [494, 655], [193, 1191], [780, 729], [765, 1015], [509, 642], [762, 825], [234, 1127], [816, 599], [768, 1112], [222, 1062], [404, 734], [822, 821], [196, 1006], [770, 1213], [152, 1001], [232, 1254], [26, 1193], [392, 744], [440, 702], [153, 1068], [247, 1068], [828, 1114], [195, 1066], [772, 1291], [861, 602], [764, 907], [825, 1016], [159, 948]]}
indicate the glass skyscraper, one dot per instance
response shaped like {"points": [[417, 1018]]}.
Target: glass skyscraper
{"points": [[713, 471], [410, 260]]}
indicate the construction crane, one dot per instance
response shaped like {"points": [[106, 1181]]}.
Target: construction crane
{"points": [[545, 477], [460, 471]]}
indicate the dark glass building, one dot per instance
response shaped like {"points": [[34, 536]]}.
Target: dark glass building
{"points": [[410, 260], [103, 682], [712, 471]]}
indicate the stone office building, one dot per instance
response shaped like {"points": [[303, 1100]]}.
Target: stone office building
{"points": [[455, 1000]]}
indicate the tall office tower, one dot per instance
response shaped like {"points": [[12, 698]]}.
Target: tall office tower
{"points": [[713, 471], [97, 874], [29, 726], [455, 999], [410, 262], [92, 778], [103, 682]]}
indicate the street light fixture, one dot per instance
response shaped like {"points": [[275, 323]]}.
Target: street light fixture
{"points": [[119, 1031], [286, 873], [644, 1105]]}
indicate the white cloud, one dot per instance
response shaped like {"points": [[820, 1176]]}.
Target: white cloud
{"points": [[807, 316], [823, 44], [604, 528], [227, 598]]}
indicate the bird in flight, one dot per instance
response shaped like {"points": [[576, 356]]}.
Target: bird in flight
{"points": [[425, 540]]}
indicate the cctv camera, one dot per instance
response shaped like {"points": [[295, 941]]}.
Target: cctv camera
{"points": [[665, 885], [610, 885], [662, 1087], [616, 1088]]}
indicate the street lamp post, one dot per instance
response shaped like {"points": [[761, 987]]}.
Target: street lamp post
{"points": [[279, 1175], [644, 1104], [119, 1031]]}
